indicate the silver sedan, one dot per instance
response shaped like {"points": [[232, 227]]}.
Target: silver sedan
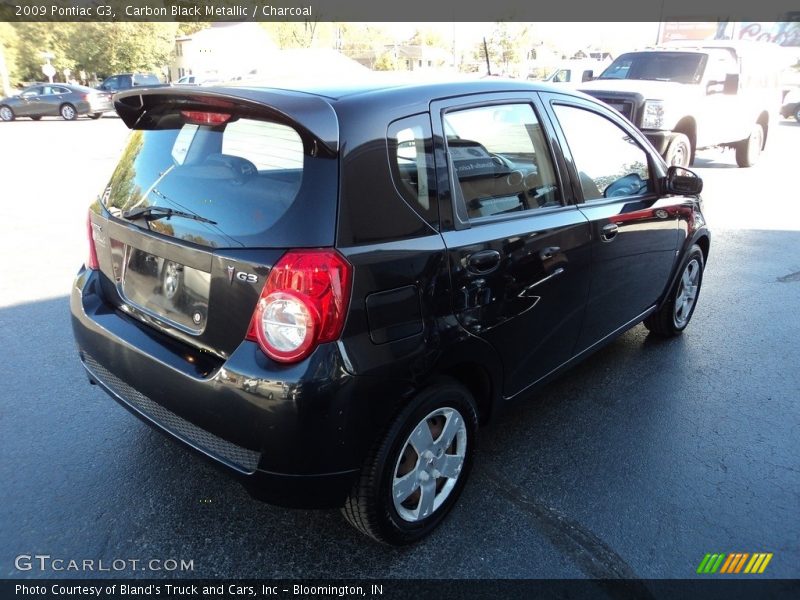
{"points": [[56, 99]]}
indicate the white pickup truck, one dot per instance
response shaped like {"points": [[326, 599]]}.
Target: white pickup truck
{"points": [[684, 99]]}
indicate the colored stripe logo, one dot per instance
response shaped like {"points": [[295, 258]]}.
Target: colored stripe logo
{"points": [[733, 563]]}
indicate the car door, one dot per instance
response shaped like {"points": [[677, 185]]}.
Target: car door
{"points": [[616, 175], [58, 95], [30, 102], [518, 249]]}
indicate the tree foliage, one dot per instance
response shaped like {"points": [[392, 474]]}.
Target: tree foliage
{"points": [[102, 48]]}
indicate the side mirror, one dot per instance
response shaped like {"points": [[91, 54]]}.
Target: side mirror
{"points": [[683, 182], [731, 85]]}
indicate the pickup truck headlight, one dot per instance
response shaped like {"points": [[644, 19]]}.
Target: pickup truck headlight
{"points": [[653, 115]]}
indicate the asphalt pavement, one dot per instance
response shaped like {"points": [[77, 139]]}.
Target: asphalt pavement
{"points": [[636, 463]]}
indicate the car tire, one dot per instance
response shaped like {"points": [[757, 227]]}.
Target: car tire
{"points": [[68, 112], [36, 118], [95, 116], [674, 316], [749, 150], [402, 510], [6, 113], [797, 113], [679, 152]]}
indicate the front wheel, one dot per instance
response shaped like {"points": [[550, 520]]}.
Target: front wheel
{"points": [[679, 151], [749, 150], [673, 317], [6, 114], [415, 473], [95, 116], [36, 118], [68, 112], [797, 113]]}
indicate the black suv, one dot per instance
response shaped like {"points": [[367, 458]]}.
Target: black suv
{"points": [[326, 291]]}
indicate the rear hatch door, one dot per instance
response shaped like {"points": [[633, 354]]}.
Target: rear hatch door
{"points": [[210, 191]]}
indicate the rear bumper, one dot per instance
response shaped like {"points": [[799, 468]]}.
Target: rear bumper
{"points": [[293, 435]]}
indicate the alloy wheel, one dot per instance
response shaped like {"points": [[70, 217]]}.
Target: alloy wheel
{"points": [[687, 293], [6, 114], [429, 464]]}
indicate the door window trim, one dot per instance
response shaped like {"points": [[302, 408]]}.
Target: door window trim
{"points": [[449, 194], [654, 166]]}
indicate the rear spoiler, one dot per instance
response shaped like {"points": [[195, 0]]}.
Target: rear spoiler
{"points": [[307, 112]]}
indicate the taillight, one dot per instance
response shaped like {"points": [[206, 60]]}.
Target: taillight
{"points": [[91, 261], [303, 304]]}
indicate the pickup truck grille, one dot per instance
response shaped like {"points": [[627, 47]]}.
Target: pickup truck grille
{"points": [[623, 106]]}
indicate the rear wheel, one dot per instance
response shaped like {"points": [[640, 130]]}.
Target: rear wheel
{"points": [[797, 113], [6, 114], [679, 151], [95, 115], [414, 475], [36, 118], [673, 317], [68, 112], [749, 150]]}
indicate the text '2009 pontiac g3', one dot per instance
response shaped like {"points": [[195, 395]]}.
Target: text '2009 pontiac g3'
{"points": [[327, 290]]}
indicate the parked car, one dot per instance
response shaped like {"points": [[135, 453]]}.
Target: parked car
{"points": [[791, 104], [369, 273], [55, 99], [692, 95], [125, 81], [198, 80]]}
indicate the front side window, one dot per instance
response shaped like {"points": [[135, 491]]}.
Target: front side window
{"points": [[411, 162], [610, 163], [499, 160]]}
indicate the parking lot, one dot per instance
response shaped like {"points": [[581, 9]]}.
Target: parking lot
{"points": [[637, 463]]}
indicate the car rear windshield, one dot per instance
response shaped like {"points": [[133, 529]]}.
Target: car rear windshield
{"points": [[680, 67], [237, 180]]}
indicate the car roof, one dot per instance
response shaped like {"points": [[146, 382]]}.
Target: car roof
{"points": [[388, 87], [316, 105]]}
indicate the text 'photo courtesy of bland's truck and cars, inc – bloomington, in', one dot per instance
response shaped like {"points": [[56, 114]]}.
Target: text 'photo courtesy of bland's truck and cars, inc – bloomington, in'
{"points": [[325, 258]]}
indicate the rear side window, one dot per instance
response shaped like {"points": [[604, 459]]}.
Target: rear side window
{"points": [[499, 160], [240, 178], [411, 160]]}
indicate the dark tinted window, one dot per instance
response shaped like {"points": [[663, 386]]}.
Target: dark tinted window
{"points": [[145, 79], [682, 67], [411, 160], [500, 160], [610, 163], [244, 175]]}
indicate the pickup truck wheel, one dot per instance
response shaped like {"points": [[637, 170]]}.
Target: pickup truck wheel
{"points": [[749, 150], [673, 317], [679, 151], [415, 473]]}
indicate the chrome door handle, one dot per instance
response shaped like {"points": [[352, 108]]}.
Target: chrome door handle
{"points": [[609, 232], [483, 262]]}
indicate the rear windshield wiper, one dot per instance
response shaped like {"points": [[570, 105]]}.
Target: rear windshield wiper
{"points": [[151, 213]]}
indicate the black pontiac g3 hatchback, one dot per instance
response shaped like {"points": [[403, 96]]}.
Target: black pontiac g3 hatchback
{"points": [[326, 291]]}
